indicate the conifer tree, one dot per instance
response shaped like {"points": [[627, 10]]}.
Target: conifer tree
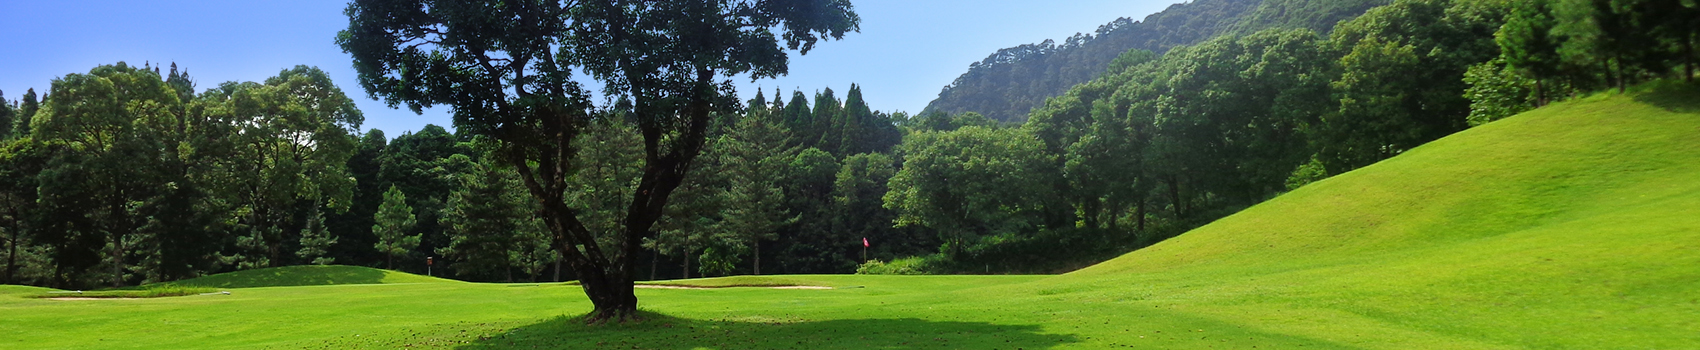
{"points": [[754, 161], [315, 239], [481, 220], [26, 111], [6, 114], [395, 219]]}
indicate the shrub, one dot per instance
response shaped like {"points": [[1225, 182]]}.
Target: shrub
{"points": [[914, 265]]}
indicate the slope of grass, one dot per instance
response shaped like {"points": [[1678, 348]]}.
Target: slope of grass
{"points": [[310, 275], [1576, 226], [1572, 226]]}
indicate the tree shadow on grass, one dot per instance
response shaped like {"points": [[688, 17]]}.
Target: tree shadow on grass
{"points": [[1672, 95], [664, 332]]}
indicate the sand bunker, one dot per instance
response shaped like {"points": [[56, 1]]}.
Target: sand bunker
{"points": [[88, 298]]}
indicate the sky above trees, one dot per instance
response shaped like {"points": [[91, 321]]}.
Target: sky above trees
{"points": [[907, 50]]}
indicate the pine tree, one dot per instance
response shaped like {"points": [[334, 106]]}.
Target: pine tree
{"points": [[855, 125], [395, 219], [316, 241], [799, 120], [6, 114], [755, 159], [823, 133], [26, 111], [481, 220]]}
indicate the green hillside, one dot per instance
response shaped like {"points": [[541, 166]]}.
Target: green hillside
{"points": [[307, 275], [1576, 226], [1572, 226]]}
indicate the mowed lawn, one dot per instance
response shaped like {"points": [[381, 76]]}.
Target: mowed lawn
{"points": [[1576, 226]]}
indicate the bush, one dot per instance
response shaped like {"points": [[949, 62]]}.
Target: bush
{"points": [[914, 265]]}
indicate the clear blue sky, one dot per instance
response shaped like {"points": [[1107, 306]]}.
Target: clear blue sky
{"points": [[907, 49]]}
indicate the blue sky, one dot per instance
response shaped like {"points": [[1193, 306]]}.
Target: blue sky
{"points": [[906, 51]]}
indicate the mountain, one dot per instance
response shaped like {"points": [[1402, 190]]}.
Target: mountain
{"points": [[1010, 82]]}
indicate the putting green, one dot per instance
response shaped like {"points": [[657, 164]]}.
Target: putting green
{"points": [[1575, 226]]}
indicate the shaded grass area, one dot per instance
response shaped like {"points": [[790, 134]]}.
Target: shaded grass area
{"points": [[752, 281], [667, 332]]}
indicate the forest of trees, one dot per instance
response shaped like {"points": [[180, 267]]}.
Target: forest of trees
{"points": [[126, 175], [1006, 85]]}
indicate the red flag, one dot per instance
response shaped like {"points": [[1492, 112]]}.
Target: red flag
{"points": [[864, 242]]}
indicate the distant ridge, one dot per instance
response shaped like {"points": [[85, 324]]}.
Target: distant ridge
{"points": [[1010, 82]]}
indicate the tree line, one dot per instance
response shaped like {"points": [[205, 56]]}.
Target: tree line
{"points": [[1160, 144], [124, 175]]}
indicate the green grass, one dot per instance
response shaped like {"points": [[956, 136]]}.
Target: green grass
{"points": [[310, 275], [1576, 226], [148, 291]]}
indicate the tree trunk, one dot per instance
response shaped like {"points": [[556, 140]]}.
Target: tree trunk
{"points": [[117, 260], [758, 256], [117, 239], [273, 249], [389, 261], [12, 256], [1688, 59], [1605, 68], [1622, 84], [59, 272], [654, 263], [557, 269], [612, 294], [1175, 197], [1139, 216], [12, 248], [1540, 94], [687, 263]]}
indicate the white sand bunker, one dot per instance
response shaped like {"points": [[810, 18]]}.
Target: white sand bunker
{"points": [[87, 298]]}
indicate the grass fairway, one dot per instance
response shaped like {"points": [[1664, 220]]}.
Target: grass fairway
{"points": [[1576, 226]]}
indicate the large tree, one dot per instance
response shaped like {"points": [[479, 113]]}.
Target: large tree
{"points": [[290, 148], [505, 69]]}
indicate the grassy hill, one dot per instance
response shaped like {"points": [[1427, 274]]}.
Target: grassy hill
{"points": [[309, 275], [1573, 226], [1576, 226]]}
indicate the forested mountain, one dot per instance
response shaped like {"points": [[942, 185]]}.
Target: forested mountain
{"points": [[1009, 83]]}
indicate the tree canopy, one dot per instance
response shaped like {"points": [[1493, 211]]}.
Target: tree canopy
{"points": [[505, 69]]}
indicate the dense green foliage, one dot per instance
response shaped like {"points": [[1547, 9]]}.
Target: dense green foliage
{"points": [[1013, 81], [1553, 49]]}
